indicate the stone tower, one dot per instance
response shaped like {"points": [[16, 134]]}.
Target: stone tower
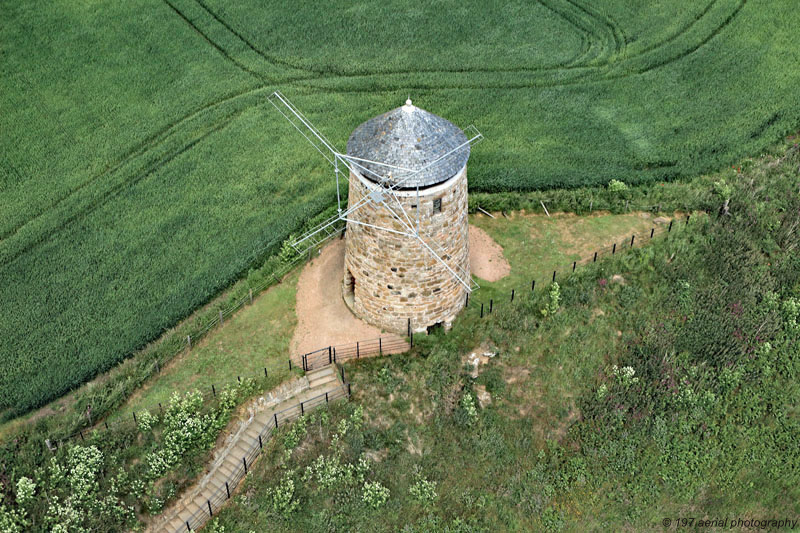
{"points": [[390, 278]]}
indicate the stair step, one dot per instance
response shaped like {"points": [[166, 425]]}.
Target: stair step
{"points": [[329, 369], [253, 431], [316, 384], [225, 470]]}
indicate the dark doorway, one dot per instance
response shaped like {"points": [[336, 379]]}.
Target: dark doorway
{"points": [[435, 328], [349, 291]]}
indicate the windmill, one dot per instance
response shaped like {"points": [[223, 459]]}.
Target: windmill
{"points": [[386, 180]]}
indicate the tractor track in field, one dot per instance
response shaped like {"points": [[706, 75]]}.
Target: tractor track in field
{"points": [[606, 41], [581, 74], [211, 42], [573, 12], [586, 74], [146, 171]]}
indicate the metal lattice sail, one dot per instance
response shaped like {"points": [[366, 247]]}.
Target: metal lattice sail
{"points": [[385, 181]]}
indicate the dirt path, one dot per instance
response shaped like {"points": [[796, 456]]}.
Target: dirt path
{"points": [[322, 317], [486, 256]]}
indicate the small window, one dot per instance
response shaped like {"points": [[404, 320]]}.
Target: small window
{"points": [[437, 205]]}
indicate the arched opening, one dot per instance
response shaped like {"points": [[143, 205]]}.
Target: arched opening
{"points": [[349, 291], [435, 328]]}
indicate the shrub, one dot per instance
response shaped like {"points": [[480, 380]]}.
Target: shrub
{"points": [[186, 429], [617, 186], [146, 421], [375, 494], [423, 491], [26, 489], [295, 434], [467, 413], [282, 497], [553, 300]]}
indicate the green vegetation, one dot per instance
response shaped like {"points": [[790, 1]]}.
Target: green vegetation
{"points": [[104, 482], [142, 170], [257, 337], [665, 384]]}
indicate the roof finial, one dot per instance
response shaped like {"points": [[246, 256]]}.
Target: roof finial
{"points": [[409, 106]]}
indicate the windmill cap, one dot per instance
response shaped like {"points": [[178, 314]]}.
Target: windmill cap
{"points": [[411, 138]]}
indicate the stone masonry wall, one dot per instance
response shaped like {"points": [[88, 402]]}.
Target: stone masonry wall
{"points": [[396, 278]]}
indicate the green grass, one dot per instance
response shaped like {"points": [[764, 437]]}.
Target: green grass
{"points": [[141, 166], [705, 431], [536, 245], [256, 337]]}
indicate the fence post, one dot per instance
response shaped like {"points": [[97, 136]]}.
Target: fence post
{"points": [[134, 418], [380, 345], [632, 237], [348, 389], [409, 327], [329, 355], [342, 372], [652, 230], [189, 341], [290, 364], [533, 285], [491, 305], [574, 264], [187, 526], [81, 432], [240, 379], [481, 309], [358, 350], [614, 249], [554, 275], [595, 258], [276, 419], [158, 370], [251, 296], [220, 317], [411, 338], [512, 295], [228, 490], [210, 512], [687, 218], [303, 359], [213, 390], [265, 372], [106, 424], [466, 302], [326, 397], [260, 442], [302, 411], [670, 226], [244, 462]]}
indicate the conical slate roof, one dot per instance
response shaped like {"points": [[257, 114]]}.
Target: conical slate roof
{"points": [[411, 138]]}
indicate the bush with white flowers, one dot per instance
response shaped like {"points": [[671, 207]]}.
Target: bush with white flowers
{"points": [[375, 494]]}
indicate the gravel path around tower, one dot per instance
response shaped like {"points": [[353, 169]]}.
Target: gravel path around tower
{"points": [[323, 319], [486, 259]]}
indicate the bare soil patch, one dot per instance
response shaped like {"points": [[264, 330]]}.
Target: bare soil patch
{"points": [[323, 319], [486, 256]]}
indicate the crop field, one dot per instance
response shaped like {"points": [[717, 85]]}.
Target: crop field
{"points": [[142, 170]]}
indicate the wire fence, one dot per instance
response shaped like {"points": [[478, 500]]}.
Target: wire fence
{"points": [[158, 363], [252, 447], [486, 308], [341, 353], [355, 350], [305, 362]]}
